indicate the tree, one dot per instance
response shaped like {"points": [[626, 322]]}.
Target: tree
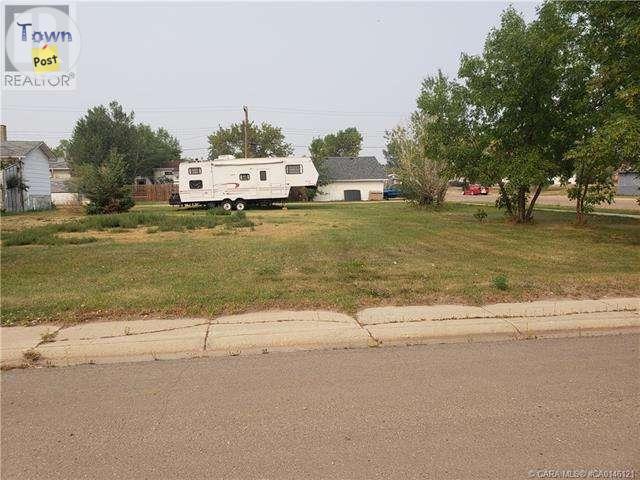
{"points": [[265, 140], [105, 185], [61, 149], [109, 128], [424, 179], [453, 128], [515, 91], [154, 149], [606, 37], [343, 143], [102, 130]]}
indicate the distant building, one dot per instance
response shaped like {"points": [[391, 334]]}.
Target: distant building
{"points": [[167, 173], [59, 169], [25, 177], [628, 183], [352, 179]]}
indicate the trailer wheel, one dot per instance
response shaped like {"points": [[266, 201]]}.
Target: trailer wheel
{"points": [[240, 205], [227, 205]]}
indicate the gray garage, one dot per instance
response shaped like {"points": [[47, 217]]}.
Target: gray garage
{"points": [[628, 183]]}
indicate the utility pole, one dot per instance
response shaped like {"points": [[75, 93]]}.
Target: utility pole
{"points": [[246, 131]]}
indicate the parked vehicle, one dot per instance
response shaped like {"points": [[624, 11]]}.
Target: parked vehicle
{"points": [[391, 192], [232, 182], [475, 189]]}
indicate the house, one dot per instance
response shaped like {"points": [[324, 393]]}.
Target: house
{"points": [[167, 173], [628, 183], [59, 169], [62, 191], [352, 178], [24, 177]]}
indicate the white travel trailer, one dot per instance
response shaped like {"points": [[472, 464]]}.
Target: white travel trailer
{"points": [[237, 182]]}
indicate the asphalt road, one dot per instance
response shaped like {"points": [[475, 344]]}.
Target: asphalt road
{"points": [[490, 410]]}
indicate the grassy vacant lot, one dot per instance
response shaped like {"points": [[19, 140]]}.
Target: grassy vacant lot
{"points": [[336, 256]]}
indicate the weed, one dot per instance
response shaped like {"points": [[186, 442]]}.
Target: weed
{"points": [[480, 215], [32, 356], [501, 282], [269, 270], [48, 337]]}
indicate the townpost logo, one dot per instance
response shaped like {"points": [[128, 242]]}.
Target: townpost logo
{"points": [[41, 47]]}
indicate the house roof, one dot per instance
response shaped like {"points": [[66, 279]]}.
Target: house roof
{"points": [[353, 168], [20, 148], [58, 164]]}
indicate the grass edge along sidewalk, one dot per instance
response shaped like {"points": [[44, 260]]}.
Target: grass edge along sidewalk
{"points": [[264, 332]]}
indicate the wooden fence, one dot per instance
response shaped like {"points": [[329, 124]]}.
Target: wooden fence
{"points": [[153, 193]]}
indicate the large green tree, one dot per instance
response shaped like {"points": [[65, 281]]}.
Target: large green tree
{"points": [[265, 140], [106, 129], [515, 90]]}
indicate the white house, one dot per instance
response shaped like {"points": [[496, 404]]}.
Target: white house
{"points": [[24, 178], [62, 191], [352, 178]]}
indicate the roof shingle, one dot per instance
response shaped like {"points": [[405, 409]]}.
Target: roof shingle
{"points": [[17, 148], [353, 168]]}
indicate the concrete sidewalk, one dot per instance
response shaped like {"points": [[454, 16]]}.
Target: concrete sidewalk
{"points": [[263, 332]]}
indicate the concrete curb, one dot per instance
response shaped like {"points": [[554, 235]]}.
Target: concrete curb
{"points": [[263, 332]]}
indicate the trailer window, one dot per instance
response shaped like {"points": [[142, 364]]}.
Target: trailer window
{"points": [[263, 175], [195, 171], [195, 184], [244, 177], [293, 169]]}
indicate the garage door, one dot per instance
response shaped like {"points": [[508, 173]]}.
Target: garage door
{"points": [[352, 195]]}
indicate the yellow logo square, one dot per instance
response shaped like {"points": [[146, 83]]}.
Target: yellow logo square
{"points": [[45, 59]]}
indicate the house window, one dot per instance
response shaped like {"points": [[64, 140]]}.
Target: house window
{"points": [[195, 184], [263, 175], [195, 171], [293, 169], [244, 177], [141, 181]]}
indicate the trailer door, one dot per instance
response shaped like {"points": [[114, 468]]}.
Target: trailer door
{"points": [[276, 180]]}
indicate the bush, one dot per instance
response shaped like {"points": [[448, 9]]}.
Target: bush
{"points": [[105, 185]]}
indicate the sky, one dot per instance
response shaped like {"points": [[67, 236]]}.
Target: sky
{"points": [[309, 68]]}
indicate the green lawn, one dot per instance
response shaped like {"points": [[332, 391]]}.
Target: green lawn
{"points": [[336, 256]]}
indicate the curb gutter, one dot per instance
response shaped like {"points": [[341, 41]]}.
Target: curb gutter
{"points": [[264, 332]]}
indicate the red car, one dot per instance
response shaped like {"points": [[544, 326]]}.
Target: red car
{"points": [[475, 189]]}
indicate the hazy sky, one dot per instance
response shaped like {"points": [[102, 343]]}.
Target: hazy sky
{"points": [[310, 68]]}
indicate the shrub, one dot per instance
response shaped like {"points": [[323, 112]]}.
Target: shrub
{"points": [[105, 185]]}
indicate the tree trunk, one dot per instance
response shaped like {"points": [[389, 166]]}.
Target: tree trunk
{"points": [[522, 205], [505, 198], [582, 194], [532, 203]]}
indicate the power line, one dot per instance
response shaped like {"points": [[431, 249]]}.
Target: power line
{"points": [[217, 108]]}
